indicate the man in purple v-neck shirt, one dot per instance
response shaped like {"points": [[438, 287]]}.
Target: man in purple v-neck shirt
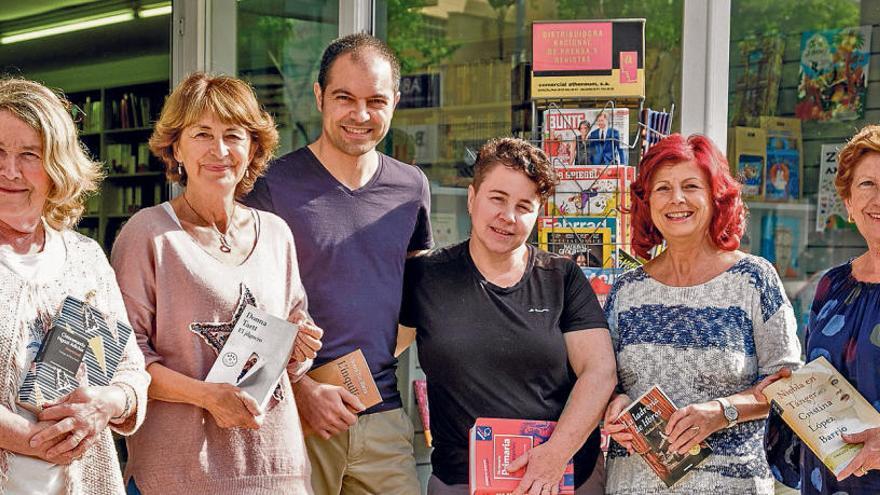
{"points": [[356, 215]]}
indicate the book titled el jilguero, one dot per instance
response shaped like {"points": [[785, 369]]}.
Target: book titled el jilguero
{"points": [[256, 354], [495, 443], [820, 405], [646, 419], [80, 348]]}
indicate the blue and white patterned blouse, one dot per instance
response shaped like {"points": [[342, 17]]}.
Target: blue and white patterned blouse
{"points": [[699, 343], [844, 327]]}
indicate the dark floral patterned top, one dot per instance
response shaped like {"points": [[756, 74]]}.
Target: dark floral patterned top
{"points": [[844, 326]]}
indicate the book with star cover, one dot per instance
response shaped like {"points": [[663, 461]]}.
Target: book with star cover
{"points": [[256, 354], [81, 347], [820, 405], [646, 419], [494, 443]]}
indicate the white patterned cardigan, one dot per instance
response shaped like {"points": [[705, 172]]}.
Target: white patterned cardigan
{"points": [[85, 271], [699, 343]]}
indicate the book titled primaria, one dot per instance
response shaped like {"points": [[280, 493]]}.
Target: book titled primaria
{"points": [[81, 348], [646, 419], [256, 354], [495, 443], [820, 405]]}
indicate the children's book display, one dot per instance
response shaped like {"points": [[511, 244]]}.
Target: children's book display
{"points": [[646, 419], [831, 213], [256, 354], [495, 443], [81, 347], [819, 404]]}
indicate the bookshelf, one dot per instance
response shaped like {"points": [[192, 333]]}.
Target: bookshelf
{"points": [[115, 124]]}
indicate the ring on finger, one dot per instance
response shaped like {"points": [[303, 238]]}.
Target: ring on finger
{"points": [[694, 427], [863, 471]]}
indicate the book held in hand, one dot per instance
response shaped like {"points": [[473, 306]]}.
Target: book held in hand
{"points": [[256, 354], [495, 443], [820, 405], [352, 373], [646, 419], [80, 348]]}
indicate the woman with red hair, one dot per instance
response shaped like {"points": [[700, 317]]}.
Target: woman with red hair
{"points": [[702, 320]]}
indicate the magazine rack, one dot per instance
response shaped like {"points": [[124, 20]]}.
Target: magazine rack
{"points": [[587, 215]]}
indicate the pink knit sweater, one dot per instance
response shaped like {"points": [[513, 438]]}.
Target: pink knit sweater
{"points": [[175, 294]]}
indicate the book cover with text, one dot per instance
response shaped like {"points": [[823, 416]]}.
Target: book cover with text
{"points": [[495, 443]]}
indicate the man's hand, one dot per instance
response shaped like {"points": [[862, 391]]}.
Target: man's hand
{"points": [[544, 469], [326, 409]]}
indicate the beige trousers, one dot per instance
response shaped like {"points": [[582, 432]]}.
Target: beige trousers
{"points": [[375, 456]]}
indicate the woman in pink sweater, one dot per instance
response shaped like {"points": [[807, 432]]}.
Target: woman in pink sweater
{"points": [[186, 269]]}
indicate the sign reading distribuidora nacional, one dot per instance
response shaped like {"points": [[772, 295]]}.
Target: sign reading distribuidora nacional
{"points": [[575, 59]]}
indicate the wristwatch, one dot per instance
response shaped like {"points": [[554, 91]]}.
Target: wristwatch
{"points": [[731, 413]]}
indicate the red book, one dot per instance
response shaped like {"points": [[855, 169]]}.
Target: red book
{"points": [[495, 443]]}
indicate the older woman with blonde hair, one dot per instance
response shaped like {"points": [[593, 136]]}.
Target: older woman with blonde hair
{"points": [[844, 327], [45, 175], [187, 268]]}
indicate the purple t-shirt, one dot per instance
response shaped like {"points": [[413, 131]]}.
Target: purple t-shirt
{"points": [[352, 248]]}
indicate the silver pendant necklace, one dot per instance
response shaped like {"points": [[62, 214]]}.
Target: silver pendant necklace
{"points": [[224, 242]]}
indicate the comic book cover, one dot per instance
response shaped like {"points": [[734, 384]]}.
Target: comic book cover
{"points": [[834, 74], [568, 129], [646, 419], [782, 181], [495, 443], [595, 190]]}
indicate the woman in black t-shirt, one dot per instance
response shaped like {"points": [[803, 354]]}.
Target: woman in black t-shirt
{"points": [[507, 331]]}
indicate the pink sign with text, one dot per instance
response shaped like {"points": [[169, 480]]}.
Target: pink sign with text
{"points": [[629, 67], [571, 46]]}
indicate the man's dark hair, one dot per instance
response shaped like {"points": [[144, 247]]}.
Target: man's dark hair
{"points": [[357, 45]]}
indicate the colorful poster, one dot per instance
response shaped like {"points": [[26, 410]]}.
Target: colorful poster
{"points": [[573, 59], [757, 86], [834, 74], [568, 133], [831, 213]]}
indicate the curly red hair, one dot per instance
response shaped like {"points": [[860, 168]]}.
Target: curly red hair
{"points": [[728, 213]]}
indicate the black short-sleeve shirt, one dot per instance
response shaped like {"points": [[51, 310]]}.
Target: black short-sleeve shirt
{"points": [[490, 351]]}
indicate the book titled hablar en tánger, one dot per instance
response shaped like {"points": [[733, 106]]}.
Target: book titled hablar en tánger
{"points": [[820, 405], [646, 419], [495, 443], [255, 354]]}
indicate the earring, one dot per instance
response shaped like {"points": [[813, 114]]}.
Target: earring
{"points": [[181, 172], [850, 218]]}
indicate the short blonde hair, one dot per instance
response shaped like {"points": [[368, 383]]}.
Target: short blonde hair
{"points": [[73, 174], [867, 140], [231, 100]]}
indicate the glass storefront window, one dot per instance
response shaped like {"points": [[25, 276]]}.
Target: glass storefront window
{"points": [[116, 74], [279, 52], [769, 41], [465, 79]]}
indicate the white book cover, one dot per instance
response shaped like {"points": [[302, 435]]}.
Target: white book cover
{"points": [[256, 354]]}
